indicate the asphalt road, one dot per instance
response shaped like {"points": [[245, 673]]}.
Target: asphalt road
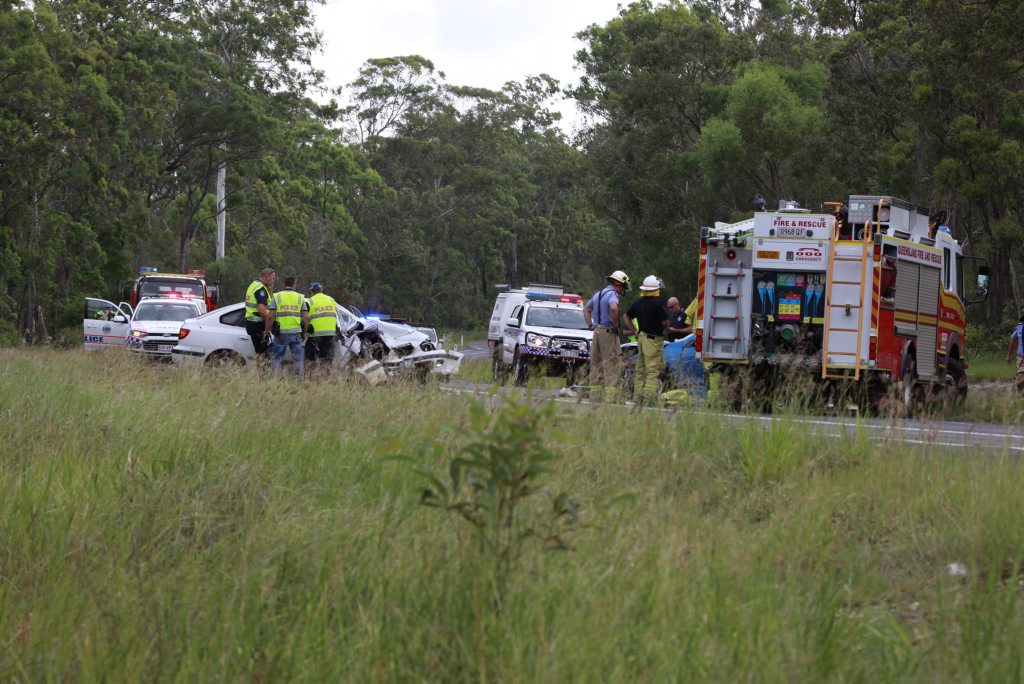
{"points": [[966, 438]]}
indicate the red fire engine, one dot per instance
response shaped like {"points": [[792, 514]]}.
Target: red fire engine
{"points": [[874, 294], [896, 301]]}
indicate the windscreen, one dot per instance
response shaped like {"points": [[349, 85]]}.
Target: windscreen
{"points": [[164, 311], [571, 319], [170, 288]]}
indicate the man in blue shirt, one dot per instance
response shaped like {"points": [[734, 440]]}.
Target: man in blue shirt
{"points": [[602, 314], [1017, 345]]}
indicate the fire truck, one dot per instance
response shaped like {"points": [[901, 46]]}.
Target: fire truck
{"points": [[868, 299], [189, 285]]}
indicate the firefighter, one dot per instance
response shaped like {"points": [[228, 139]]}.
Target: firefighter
{"points": [[652, 320], [323, 323], [1017, 348], [291, 312], [602, 314], [257, 312]]}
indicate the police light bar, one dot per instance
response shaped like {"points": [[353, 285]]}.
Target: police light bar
{"points": [[547, 297], [147, 269], [196, 272]]}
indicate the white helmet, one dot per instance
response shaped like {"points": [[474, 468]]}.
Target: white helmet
{"points": [[651, 283], [620, 277]]}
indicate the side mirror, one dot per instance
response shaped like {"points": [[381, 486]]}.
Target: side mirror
{"points": [[984, 272], [512, 322], [119, 319]]}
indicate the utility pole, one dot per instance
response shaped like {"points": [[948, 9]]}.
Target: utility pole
{"points": [[221, 209]]}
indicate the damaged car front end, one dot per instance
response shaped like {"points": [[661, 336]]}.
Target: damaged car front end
{"points": [[379, 350]]}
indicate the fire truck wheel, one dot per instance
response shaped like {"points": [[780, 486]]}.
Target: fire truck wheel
{"points": [[498, 371], [956, 380], [908, 390], [519, 371]]}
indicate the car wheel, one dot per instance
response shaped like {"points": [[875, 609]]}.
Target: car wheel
{"points": [[498, 371], [520, 374], [224, 359]]}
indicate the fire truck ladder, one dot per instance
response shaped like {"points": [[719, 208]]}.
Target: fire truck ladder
{"points": [[848, 267], [726, 312]]}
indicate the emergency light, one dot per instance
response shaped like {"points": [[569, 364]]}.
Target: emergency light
{"points": [[196, 272], [147, 269], [546, 297]]}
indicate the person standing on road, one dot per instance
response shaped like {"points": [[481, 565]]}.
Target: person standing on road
{"points": [[291, 312], [1017, 347], [257, 311], [323, 323], [602, 314], [652, 319]]}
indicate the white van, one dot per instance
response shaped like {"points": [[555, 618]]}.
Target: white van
{"points": [[538, 328]]}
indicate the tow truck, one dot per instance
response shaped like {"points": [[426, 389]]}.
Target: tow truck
{"points": [[189, 285]]}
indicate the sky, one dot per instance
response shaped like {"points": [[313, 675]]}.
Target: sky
{"points": [[482, 43]]}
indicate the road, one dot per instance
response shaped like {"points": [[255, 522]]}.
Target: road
{"points": [[476, 350], [990, 438]]}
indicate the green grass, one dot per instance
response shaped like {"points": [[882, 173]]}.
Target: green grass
{"points": [[168, 525], [990, 367]]}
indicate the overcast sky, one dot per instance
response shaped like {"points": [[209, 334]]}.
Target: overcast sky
{"points": [[474, 42]]}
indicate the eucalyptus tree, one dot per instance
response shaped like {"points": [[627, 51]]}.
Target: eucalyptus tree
{"points": [[927, 99]]}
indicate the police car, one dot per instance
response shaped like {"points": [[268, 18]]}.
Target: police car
{"points": [[539, 331], [150, 329], [156, 322]]}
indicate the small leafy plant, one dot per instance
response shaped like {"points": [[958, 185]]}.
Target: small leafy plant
{"points": [[494, 483]]}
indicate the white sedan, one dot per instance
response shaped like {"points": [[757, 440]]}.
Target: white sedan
{"points": [[377, 348]]}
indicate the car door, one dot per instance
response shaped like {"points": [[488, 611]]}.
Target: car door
{"points": [[105, 324], [233, 323], [510, 334]]}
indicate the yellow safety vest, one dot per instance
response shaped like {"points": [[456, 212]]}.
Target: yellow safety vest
{"points": [[252, 310], [288, 310], [323, 314]]}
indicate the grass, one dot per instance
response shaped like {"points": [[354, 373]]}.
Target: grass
{"points": [[989, 367], [168, 525]]}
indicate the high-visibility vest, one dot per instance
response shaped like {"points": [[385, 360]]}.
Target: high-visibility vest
{"points": [[252, 310], [288, 310], [323, 315]]}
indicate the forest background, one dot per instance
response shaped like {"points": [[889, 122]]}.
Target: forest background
{"points": [[411, 195]]}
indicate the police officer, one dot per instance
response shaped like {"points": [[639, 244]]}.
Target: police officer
{"points": [[679, 325], [602, 314], [323, 323], [257, 312], [652, 319], [291, 312]]}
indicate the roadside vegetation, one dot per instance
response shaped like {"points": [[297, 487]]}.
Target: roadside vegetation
{"points": [[160, 524]]}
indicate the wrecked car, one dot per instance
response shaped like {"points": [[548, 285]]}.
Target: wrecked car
{"points": [[377, 350]]}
